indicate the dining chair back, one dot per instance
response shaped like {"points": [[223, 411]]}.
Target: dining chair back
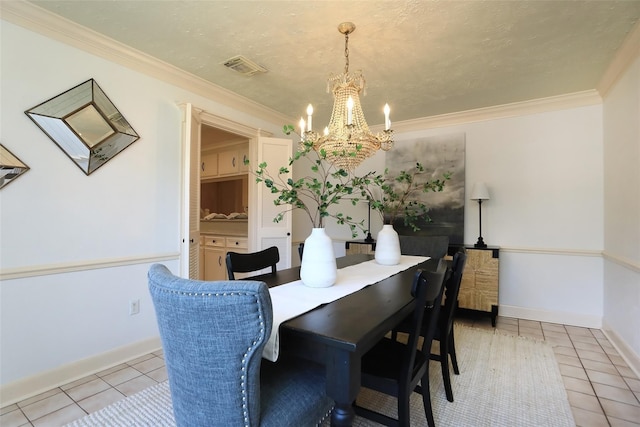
{"points": [[246, 263], [444, 333], [213, 335], [431, 246], [396, 368]]}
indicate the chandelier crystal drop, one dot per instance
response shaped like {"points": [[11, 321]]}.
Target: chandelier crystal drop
{"points": [[347, 139]]}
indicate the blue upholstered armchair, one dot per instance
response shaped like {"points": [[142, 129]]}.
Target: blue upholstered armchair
{"points": [[213, 334]]}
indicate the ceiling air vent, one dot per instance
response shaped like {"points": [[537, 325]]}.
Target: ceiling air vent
{"points": [[244, 66]]}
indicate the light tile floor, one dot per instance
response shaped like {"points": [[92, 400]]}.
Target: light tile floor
{"points": [[602, 389]]}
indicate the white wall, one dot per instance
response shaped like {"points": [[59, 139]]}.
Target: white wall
{"points": [[545, 175], [622, 214], [110, 226], [544, 171]]}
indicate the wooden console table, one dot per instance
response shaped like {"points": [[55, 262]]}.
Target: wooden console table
{"points": [[354, 247]]}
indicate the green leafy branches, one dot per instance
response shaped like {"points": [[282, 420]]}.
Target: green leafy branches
{"points": [[325, 185]]}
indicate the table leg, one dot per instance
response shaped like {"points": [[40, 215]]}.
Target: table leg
{"points": [[342, 416], [343, 385]]}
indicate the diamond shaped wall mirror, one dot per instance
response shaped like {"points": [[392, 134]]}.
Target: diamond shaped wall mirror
{"points": [[11, 167], [85, 124]]}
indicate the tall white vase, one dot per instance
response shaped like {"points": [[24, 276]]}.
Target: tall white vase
{"points": [[387, 246], [318, 266]]}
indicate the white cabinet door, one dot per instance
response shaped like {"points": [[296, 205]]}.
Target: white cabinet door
{"points": [[276, 153], [215, 267], [190, 206], [209, 165], [228, 162]]}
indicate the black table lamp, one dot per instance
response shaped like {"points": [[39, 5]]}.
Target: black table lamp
{"points": [[480, 193], [369, 239]]}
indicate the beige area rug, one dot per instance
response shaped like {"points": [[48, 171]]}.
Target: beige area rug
{"points": [[504, 381]]}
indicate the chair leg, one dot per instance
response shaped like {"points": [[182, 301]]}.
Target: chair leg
{"points": [[452, 353], [426, 400], [444, 364], [404, 409]]}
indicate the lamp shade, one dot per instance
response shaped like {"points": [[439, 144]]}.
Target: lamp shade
{"points": [[479, 191]]}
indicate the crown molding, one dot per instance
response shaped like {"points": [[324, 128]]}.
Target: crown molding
{"points": [[624, 57], [46, 23], [39, 20], [534, 106]]}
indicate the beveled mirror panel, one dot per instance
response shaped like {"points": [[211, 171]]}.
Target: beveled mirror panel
{"points": [[85, 124], [11, 167]]}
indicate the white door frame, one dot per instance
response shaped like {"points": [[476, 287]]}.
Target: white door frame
{"points": [[212, 120]]}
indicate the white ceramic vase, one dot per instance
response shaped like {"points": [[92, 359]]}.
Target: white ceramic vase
{"points": [[318, 266], [387, 246]]}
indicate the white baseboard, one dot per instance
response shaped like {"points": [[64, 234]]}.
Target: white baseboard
{"points": [[573, 319], [44, 381], [627, 353]]}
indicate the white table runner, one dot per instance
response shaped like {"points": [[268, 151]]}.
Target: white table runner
{"points": [[293, 299]]}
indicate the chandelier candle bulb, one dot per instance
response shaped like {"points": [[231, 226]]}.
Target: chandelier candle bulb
{"points": [[350, 111], [301, 128], [326, 131], [309, 113], [387, 122]]}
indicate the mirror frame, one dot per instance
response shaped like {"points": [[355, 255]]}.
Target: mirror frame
{"points": [[85, 124], [11, 167]]}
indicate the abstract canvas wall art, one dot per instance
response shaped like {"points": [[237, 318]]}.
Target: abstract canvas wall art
{"points": [[438, 154]]}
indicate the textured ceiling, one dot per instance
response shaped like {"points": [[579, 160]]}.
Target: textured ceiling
{"points": [[422, 57]]}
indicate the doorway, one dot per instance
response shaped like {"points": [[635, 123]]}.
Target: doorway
{"points": [[202, 126]]}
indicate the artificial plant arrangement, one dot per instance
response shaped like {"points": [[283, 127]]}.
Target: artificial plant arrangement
{"points": [[396, 196], [315, 193]]}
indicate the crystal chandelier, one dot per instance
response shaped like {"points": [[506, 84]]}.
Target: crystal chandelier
{"points": [[347, 140]]}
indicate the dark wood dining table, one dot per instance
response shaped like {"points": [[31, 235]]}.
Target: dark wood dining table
{"points": [[339, 333]]}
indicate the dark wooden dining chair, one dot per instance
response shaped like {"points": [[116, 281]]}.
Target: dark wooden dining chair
{"points": [[246, 263], [431, 246], [444, 331], [396, 368]]}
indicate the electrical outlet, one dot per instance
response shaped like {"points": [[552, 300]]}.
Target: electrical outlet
{"points": [[134, 307]]}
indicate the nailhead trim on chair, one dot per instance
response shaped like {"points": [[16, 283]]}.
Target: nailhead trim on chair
{"points": [[243, 377], [209, 294], [324, 417]]}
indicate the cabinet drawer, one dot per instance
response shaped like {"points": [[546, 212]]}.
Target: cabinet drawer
{"points": [[215, 241], [237, 243]]}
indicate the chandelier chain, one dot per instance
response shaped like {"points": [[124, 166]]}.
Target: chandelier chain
{"points": [[346, 53]]}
